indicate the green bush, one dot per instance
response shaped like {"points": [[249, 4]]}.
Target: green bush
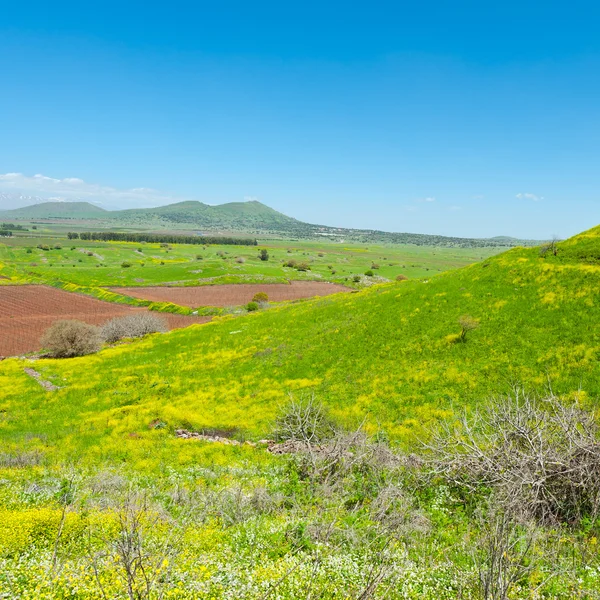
{"points": [[252, 306], [260, 297], [369, 273], [125, 265]]}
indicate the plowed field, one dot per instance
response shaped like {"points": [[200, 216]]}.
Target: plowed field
{"points": [[26, 311], [232, 295]]}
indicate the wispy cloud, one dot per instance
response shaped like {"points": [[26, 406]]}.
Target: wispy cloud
{"points": [[427, 199], [529, 196], [72, 189]]}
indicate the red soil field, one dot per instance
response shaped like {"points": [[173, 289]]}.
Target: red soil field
{"points": [[232, 294], [26, 311]]}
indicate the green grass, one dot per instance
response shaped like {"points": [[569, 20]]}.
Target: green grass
{"points": [[194, 265], [386, 356]]}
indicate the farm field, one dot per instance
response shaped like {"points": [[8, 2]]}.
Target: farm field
{"points": [[232, 294], [26, 311]]}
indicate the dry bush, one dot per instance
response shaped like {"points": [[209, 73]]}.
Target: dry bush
{"points": [[260, 297], [132, 326], [65, 339], [401, 277], [306, 421], [541, 457]]}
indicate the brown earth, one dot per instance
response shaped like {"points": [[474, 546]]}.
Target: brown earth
{"points": [[26, 311], [232, 294]]}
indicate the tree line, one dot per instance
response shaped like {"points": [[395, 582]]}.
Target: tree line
{"points": [[159, 238]]}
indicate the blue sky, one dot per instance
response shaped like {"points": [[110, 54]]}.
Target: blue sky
{"points": [[457, 118]]}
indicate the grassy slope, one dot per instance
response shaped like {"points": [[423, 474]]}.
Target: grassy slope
{"points": [[382, 353]]}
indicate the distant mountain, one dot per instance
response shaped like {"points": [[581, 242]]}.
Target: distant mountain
{"points": [[56, 210], [235, 217]]}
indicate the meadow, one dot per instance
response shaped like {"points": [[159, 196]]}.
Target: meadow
{"points": [[102, 499], [98, 264]]}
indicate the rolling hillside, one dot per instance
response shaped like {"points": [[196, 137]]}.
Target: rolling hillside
{"points": [[244, 217], [387, 354]]}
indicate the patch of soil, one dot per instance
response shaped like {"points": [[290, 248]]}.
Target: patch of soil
{"points": [[232, 294], [26, 311]]}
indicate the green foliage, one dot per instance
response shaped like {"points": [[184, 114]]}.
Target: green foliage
{"points": [[260, 297], [263, 254], [252, 306]]}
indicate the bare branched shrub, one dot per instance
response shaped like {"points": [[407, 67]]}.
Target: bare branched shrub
{"points": [[65, 339], [141, 540], [504, 552], [541, 457], [305, 420], [131, 326]]}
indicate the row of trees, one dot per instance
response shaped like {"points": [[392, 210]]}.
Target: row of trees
{"points": [[5, 233], [159, 238], [11, 227]]}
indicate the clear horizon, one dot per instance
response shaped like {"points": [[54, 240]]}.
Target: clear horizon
{"points": [[462, 120]]}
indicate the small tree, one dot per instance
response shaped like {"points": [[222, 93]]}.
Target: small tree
{"points": [[264, 254], [467, 323], [65, 339]]}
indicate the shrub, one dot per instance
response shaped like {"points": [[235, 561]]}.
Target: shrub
{"points": [[264, 254], [29, 250], [401, 277], [125, 265], [541, 458], [369, 273], [252, 306], [304, 420], [467, 323], [240, 260], [65, 339], [58, 247], [303, 266], [260, 297], [131, 326], [199, 257], [291, 263], [374, 266], [356, 278]]}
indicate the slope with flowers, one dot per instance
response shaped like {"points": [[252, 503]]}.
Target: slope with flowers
{"points": [[387, 355]]}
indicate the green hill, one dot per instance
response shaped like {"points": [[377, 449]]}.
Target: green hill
{"points": [[387, 354], [56, 210], [230, 217]]}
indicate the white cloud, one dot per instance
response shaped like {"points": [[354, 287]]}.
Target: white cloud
{"points": [[529, 196], [428, 199], [250, 198], [73, 189]]}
